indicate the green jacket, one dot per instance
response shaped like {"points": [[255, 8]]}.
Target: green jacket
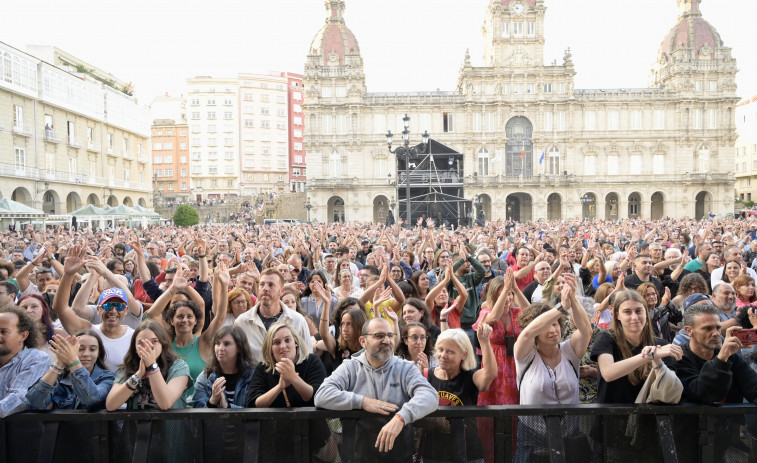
{"points": [[470, 282]]}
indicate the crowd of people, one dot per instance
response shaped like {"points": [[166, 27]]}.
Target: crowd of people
{"points": [[391, 320]]}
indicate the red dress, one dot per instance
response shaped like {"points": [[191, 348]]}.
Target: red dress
{"points": [[504, 389]]}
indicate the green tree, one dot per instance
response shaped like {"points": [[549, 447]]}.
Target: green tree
{"points": [[185, 216]]}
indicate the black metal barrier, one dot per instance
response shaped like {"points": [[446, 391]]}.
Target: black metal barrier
{"points": [[684, 433]]}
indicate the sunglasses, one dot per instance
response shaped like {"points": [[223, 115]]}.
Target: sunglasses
{"points": [[119, 306]]}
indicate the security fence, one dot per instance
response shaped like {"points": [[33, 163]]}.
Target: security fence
{"points": [[597, 432]]}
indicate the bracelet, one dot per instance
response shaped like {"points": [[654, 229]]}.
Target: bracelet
{"points": [[152, 368], [78, 362], [56, 371], [397, 415], [658, 366], [129, 387], [442, 320], [57, 368], [151, 372], [201, 256], [133, 381]]}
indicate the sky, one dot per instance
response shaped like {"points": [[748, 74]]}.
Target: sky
{"points": [[407, 45]]}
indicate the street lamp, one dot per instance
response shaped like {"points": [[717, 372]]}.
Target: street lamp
{"points": [[308, 206], [406, 151]]}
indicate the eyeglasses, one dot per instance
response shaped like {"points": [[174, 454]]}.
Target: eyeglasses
{"points": [[381, 336], [415, 337], [119, 306]]}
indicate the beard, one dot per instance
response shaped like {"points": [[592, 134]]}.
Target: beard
{"points": [[4, 350], [382, 354]]}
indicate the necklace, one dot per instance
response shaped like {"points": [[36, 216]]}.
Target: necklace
{"points": [[186, 349]]}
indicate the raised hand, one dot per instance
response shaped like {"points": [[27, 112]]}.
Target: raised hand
{"points": [[74, 260], [447, 309], [217, 396], [221, 273], [66, 348], [483, 332], [381, 296]]}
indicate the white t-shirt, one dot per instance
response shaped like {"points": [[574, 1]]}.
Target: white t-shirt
{"points": [[115, 349]]}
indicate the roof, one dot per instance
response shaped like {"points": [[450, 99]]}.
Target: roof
{"points": [[10, 208]]}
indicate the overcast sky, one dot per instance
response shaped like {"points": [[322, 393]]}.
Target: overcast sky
{"points": [[407, 45]]}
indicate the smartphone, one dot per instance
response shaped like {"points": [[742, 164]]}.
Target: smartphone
{"points": [[747, 337]]}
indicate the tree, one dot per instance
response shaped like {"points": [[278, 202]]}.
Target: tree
{"points": [[185, 216]]}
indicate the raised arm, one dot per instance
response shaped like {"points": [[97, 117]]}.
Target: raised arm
{"points": [[484, 377], [220, 307], [327, 342], [504, 300], [94, 263], [437, 289], [70, 321]]}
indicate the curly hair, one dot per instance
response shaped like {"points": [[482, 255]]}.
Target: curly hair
{"points": [[530, 313], [25, 324], [693, 279]]}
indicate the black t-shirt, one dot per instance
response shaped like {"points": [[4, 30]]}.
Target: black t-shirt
{"points": [[633, 282], [458, 391], [268, 321], [621, 390]]}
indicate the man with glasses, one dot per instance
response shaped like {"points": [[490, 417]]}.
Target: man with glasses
{"points": [[111, 307], [8, 293], [380, 383]]}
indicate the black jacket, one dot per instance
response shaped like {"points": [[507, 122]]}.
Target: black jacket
{"points": [[711, 381]]}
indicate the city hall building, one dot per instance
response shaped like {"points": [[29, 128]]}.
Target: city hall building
{"points": [[515, 139]]}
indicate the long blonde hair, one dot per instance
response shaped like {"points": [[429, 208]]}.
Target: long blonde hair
{"points": [[647, 337]]}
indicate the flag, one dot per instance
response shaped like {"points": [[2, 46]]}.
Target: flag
{"points": [[522, 152], [541, 159]]}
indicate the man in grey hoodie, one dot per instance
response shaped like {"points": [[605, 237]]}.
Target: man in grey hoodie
{"points": [[378, 382]]}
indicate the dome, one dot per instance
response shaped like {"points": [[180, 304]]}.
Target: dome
{"points": [[691, 32], [334, 40], [509, 2]]}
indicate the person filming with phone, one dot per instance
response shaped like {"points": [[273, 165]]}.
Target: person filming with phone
{"points": [[712, 372]]}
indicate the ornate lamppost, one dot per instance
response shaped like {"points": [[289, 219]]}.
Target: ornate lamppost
{"points": [[406, 151]]}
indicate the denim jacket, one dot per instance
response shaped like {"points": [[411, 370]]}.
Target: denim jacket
{"points": [[204, 386], [78, 390]]}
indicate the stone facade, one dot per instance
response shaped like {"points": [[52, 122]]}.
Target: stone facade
{"points": [[746, 150], [667, 150], [66, 138]]}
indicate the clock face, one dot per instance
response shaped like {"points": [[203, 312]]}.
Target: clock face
{"points": [[518, 8]]}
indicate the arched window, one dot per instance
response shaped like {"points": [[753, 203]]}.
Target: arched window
{"points": [[335, 164], [553, 163], [704, 158], [483, 162]]}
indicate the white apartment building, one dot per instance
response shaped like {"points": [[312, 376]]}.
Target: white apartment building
{"points": [[70, 134], [264, 133], [213, 118], [746, 150]]}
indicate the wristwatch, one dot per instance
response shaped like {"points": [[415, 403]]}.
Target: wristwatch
{"points": [[561, 309]]}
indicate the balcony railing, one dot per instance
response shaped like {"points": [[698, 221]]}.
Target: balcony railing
{"points": [[671, 433], [23, 130], [74, 142], [94, 147], [51, 136]]}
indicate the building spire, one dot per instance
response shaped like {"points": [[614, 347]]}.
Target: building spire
{"points": [[689, 7], [335, 11]]}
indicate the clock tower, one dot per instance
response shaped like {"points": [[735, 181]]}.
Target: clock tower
{"points": [[514, 30]]}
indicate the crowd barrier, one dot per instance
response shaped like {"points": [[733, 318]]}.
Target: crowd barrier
{"points": [[684, 433]]}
